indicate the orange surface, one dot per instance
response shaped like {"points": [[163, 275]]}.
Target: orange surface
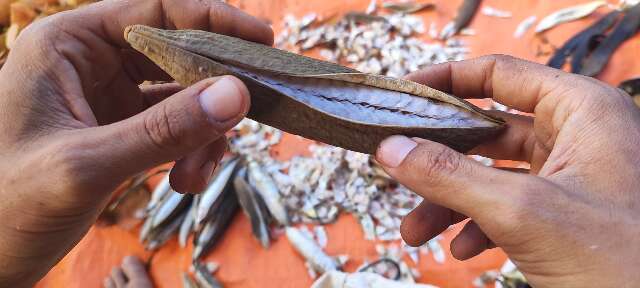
{"points": [[244, 262]]}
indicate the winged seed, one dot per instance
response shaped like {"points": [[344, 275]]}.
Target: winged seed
{"points": [[568, 14]]}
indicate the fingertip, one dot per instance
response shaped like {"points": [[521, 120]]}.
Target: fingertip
{"points": [[409, 232], [182, 181], [470, 242], [225, 100], [192, 173]]}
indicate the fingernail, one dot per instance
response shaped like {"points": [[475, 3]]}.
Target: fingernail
{"points": [[206, 171], [393, 150], [223, 100]]}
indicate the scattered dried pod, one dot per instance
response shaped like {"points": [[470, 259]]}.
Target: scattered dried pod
{"points": [[407, 7], [568, 14], [581, 44], [625, 29], [249, 200], [524, 26], [465, 14], [316, 99], [493, 12], [632, 86]]}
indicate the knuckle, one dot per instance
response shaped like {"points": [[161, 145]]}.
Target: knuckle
{"points": [[161, 129], [499, 58], [439, 161]]}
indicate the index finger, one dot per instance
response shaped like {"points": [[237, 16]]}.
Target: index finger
{"points": [[109, 19], [516, 83]]}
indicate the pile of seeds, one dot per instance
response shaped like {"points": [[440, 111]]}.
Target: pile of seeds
{"points": [[377, 44]]}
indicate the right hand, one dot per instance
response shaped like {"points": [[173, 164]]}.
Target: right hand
{"points": [[574, 221]]}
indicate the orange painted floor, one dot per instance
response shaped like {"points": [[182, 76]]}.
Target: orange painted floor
{"points": [[243, 262]]}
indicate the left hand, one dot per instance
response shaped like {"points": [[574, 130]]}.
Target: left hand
{"points": [[74, 122]]}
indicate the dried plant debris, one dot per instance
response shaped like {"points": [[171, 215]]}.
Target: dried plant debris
{"points": [[316, 99], [591, 49], [524, 26], [205, 216], [252, 204], [337, 279], [494, 12], [371, 8], [204, 277], [465, 14], [407, 6], [507, 277], [568, 14], [593, 64], [632, 87], [384, 45], [583, 43], [309, 249]]}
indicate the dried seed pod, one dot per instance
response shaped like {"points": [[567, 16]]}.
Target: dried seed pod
{"points": [[578, 45], [568, 14], [632, 86], [316, 99], [625, 29], [524, 26], [249, 202], [465, 14], [407, 7]]}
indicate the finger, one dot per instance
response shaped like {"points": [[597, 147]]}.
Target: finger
{"points": [[156, 93], [447, 178], [517, 142], [470, 242], [513, 82], [170, 130], [192, 173], [136, 272], [110, 18], [118, 277], [108, 283], [139, 68], [426, 221], [132, 265]]}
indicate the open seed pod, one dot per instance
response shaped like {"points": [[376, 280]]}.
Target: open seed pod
{"points": [[317, 99]]}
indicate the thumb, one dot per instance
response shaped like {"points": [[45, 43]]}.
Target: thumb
{"points": [[445, 177], [171, 129]]}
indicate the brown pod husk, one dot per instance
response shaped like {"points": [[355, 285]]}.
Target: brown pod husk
{"points": [[317, 99]]}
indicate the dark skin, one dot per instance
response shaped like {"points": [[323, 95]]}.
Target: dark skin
{"points": [[75, 124]]}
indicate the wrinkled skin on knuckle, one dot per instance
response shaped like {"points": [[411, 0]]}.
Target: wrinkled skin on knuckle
{"points": [[436, 163], [161, 128]]}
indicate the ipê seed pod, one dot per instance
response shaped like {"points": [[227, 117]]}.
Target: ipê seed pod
{"points": [[315, 99]]}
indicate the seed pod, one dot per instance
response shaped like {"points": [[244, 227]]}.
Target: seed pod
{"points": [[407, 7], [316, 99], [568, 14], [625, 29], [578, 45], [467, 10]]}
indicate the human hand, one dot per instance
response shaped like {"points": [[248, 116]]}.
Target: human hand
{"points": [[75, 124], [574, 221]]}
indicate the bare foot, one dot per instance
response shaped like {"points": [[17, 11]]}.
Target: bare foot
{"points": [[132, 274]]}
